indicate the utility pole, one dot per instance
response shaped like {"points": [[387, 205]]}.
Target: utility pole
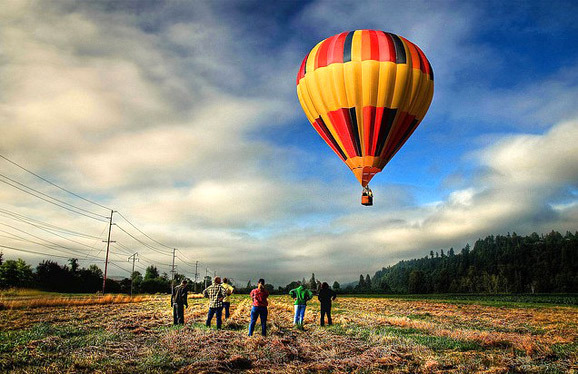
{"points": [[107, 250], [173, 272], [131, 274], [206, 275], [196, 274]]}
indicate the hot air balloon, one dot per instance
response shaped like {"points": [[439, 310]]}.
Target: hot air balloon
{"points": [[365, 92]]}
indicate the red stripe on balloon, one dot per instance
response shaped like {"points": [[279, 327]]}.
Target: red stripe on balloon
{"points": [[344, 128]]}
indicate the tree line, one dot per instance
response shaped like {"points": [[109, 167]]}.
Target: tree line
{"points": [[51, 276], [496, 264]]}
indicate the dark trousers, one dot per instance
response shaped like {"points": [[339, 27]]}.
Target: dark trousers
{"points": [[218, 313], [326, 309], [178, 314], [226, 306], [261, 313]]}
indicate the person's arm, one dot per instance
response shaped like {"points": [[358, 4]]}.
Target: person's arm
{"points": [[333, 295], [205, 293], [186, 297]]}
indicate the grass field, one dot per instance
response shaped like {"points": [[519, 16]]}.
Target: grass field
{"points": [[370, 334]]}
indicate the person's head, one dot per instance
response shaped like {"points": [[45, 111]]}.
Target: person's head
{"points": [[261, 283], [184, 283], [298, 283], [217, 280], [324, 286], [225, 280]]}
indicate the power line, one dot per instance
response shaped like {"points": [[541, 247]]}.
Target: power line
{"points": [[53, 233], [143, 232], [34, 252], [52, 202], [141, 242], [118, 266], [50, 197], [23, 218], [54, 184], [54, 246]]}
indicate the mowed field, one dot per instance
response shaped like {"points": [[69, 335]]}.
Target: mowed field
{"points": [[55, 334]]}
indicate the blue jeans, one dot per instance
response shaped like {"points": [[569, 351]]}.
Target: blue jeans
{"points": [[261, 313], [299, 314], [226, 307], [217, 312]]}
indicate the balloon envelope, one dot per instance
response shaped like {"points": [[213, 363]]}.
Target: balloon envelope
{"points": [[365, 92]]}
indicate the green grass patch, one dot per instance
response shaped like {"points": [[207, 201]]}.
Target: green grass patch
{"points": [[565, 351], [498, 300], [409, 335]]}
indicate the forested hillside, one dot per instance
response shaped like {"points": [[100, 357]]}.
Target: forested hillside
{"points": [[496, 264]]}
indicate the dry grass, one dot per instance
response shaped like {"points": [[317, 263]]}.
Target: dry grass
{"points": [[368, 336], [69, 301]]}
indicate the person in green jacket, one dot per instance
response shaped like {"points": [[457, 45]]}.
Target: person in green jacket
{"points": [[301, 295]]}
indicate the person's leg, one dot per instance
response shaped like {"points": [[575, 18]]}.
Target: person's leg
{"points": [[175, 314], [219, 315], [295, 321], [322, 322], [181, 314], [254, 315], [329, 322], [226, 308], [301, 314], [263, 317], [210, 316]]}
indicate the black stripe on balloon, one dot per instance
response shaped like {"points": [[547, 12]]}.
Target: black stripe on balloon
{"points": [[327, 133], [347, 47], [406, 135], [400, 57], [355, 131], [384, 129]]}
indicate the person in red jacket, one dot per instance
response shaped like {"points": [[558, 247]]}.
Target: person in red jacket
{"points": [[259, 296]]}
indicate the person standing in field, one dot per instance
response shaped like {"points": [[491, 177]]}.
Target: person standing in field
{"points": [[326, 296], [179, 302], [215, 293], [259, 310], [301, 295], [227, 300]]}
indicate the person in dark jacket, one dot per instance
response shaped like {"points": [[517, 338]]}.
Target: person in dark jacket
{"points": [[179, 302], [326, 296]]}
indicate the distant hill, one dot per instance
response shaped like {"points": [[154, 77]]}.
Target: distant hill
{"points": [[496, 264]]}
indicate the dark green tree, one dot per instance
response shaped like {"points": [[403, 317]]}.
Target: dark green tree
{"points": [[312, 283], [151, 273], [361, 284], [15, 273]]}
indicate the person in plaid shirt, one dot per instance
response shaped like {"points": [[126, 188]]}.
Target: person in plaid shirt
{"points": [[215, 293]]}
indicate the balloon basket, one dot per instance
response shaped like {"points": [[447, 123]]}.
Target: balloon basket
{"points": [[367, 197], [366, 200]]}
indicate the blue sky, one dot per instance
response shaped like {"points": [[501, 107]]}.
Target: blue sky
{"points": [[183, 116]]}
